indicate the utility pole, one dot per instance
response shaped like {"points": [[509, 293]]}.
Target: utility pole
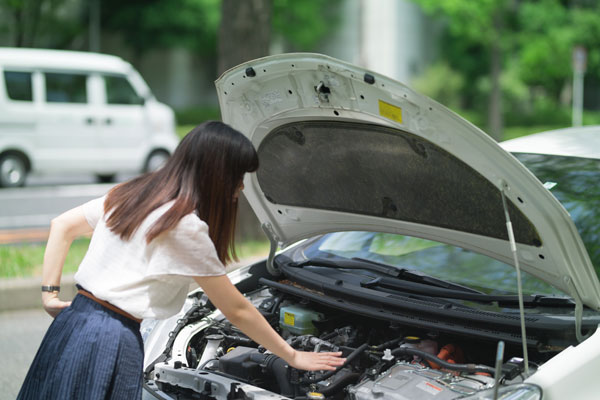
{"points": [[579, 66], [94, 26]]}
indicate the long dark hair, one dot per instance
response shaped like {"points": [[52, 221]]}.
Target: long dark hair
{"points": [[202, 175]]}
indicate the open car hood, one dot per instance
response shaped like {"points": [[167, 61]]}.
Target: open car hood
{"points": [[342, 148]]}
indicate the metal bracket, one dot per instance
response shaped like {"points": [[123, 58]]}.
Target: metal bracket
{"points": [[274, 241], [323, 92]]}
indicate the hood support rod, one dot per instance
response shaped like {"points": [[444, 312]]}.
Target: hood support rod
{"points": [[513, 248]]}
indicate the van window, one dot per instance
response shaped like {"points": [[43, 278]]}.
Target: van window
{"points": [[65, 88], [120, 91], [18, 85]]}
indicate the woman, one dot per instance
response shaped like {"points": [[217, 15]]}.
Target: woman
{"points": [[150, 236]]}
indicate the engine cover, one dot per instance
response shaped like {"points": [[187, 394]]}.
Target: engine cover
{"points": [[409, 381]]}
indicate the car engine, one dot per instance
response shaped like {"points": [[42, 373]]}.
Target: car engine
{"points": [[210, 358]]}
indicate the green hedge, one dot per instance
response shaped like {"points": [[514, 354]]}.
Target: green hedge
{"points": [[194, 116]]}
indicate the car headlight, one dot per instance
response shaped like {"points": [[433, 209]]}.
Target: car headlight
{"points": [[521, 391]]}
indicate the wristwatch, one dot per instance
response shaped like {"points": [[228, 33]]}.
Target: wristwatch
{"points": [[50, 288]]}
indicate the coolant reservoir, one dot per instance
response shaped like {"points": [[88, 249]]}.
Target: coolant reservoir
{"points": [[298, 320]]}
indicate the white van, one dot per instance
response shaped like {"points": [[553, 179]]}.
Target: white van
{"points": [[76, 112]]}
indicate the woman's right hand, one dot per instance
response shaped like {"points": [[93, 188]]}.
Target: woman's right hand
{"points": [[52, 304], [310, 361]]}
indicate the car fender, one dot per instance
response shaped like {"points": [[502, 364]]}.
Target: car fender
{"points": [[572, 373]]}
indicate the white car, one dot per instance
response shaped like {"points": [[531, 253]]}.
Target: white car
{"points": [[402, 227], [76, 112]]}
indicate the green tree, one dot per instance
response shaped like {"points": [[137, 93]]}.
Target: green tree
{"points": [[550, 29], [40, 23], [483, 26], [517, 54], [151, 24], [303, 24]]}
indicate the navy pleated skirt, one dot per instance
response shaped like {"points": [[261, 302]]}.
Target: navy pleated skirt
{"points": [[89, 352]]}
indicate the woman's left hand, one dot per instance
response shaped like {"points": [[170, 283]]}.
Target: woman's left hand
{"points": [[309, 361], [52, 304]]}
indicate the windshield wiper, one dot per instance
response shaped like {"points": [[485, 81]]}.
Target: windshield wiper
{"points": [[353, 263], [535, 300], [420, 277], [543, 300], [416, 282], [400, 274]]}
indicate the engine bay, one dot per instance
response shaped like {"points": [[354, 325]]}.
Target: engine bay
{"points": [[210, 358]]}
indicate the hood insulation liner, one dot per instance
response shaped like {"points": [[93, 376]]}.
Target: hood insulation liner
{"points": [[384, 172]]}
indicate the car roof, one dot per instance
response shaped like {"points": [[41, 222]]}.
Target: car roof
{"points": [[572, 142], [23, 58]]}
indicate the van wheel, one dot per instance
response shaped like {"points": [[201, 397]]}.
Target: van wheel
{"points": [[156, 160], [13, 170], [105, 178]]}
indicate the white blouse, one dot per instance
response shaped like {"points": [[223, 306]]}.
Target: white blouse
{"points": [[146, 280]]}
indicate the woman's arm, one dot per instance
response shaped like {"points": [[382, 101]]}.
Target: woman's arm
{"points": [[240, 312], [63, 230]]}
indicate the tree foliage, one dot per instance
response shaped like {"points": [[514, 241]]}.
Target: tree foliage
{"points": [[471, 20], [302, 24], [41, 23], [150, 24], [550, 30], [536, 40]]}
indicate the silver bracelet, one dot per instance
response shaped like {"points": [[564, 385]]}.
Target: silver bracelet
{"points": [[50, 288]]}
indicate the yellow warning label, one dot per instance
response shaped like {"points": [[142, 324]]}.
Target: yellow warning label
{"points": [[390, 111], [288, 318]]}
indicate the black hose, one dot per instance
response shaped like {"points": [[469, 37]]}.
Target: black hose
{"points": [[278, 368], [274, 308], [340, 384], [238, 339], [387, 344], [349, 359], [470, 368]]}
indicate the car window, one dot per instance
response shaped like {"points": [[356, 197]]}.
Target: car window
{"points": [[574, 182], [443, 261], [120, 91], [18, 85], [66, 88]]}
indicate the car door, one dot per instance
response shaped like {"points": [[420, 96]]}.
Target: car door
{"points": [[124, 125], [67, 134]]}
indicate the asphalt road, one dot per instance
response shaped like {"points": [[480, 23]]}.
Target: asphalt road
{"points": [[42, 199], [21, 333]]}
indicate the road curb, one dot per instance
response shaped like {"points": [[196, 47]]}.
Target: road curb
{"points": [[25, 293]]}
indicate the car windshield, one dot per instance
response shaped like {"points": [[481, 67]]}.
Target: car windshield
{"points": [[443, 261], [575, 183], [572, 180]]}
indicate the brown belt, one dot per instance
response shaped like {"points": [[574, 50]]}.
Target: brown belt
{"points": [[108, 305]]}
